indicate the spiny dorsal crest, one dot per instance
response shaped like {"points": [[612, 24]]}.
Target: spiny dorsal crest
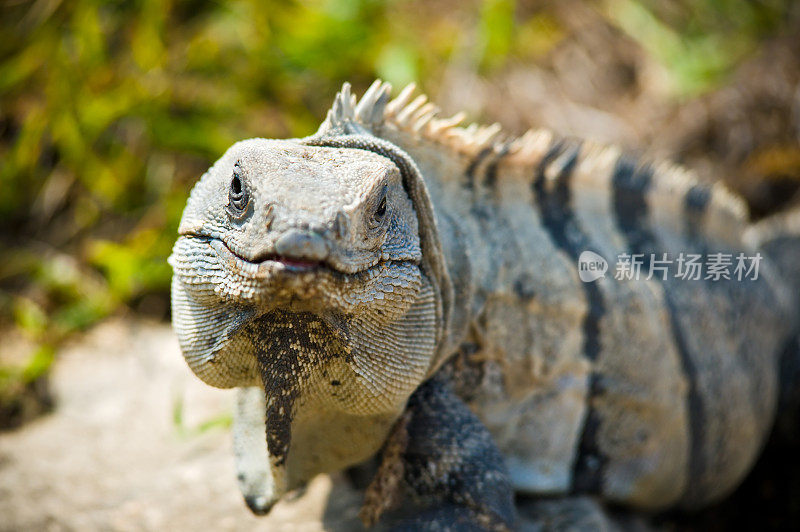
{"points": [[416, 116], [419, 118]]}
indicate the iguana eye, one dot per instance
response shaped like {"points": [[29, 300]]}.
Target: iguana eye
{"points": [[380, 212], [237, 194]]}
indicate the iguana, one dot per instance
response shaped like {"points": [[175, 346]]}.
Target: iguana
{"points": [[398, 282]]}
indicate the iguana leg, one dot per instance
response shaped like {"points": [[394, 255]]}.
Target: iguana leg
{"points": [[250, 449], [453, 474]]}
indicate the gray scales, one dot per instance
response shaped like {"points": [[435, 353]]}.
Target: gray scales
{"points": [[399, 284]]}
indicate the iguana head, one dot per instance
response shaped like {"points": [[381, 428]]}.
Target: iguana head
{"points": [[303, 269]]}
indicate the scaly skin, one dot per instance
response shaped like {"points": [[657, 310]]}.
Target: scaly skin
{"points": [[395, 261]]}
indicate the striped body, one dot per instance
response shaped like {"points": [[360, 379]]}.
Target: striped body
{"points": [[648, 392]]}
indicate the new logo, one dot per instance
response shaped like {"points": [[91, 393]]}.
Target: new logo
{"points": [[591, 266]]}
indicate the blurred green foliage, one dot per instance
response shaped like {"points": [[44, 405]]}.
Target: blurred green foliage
{"points": [[109, 111], [698, 41]]}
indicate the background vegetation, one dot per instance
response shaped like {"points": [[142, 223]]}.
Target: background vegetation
{"points": [[109, 111]]}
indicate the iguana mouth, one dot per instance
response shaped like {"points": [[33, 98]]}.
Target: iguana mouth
{"points": [[290, 264], [270, 262]]}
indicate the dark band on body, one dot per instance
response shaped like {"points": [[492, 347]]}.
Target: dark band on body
{"points": [[554, 202], [630, 187]]}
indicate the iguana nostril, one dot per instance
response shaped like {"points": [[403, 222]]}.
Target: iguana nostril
{"points": [[268, 215], [341, 224], [302, 245]]}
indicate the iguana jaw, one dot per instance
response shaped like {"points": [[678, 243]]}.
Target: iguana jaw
{"points": [[209, 280]]}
